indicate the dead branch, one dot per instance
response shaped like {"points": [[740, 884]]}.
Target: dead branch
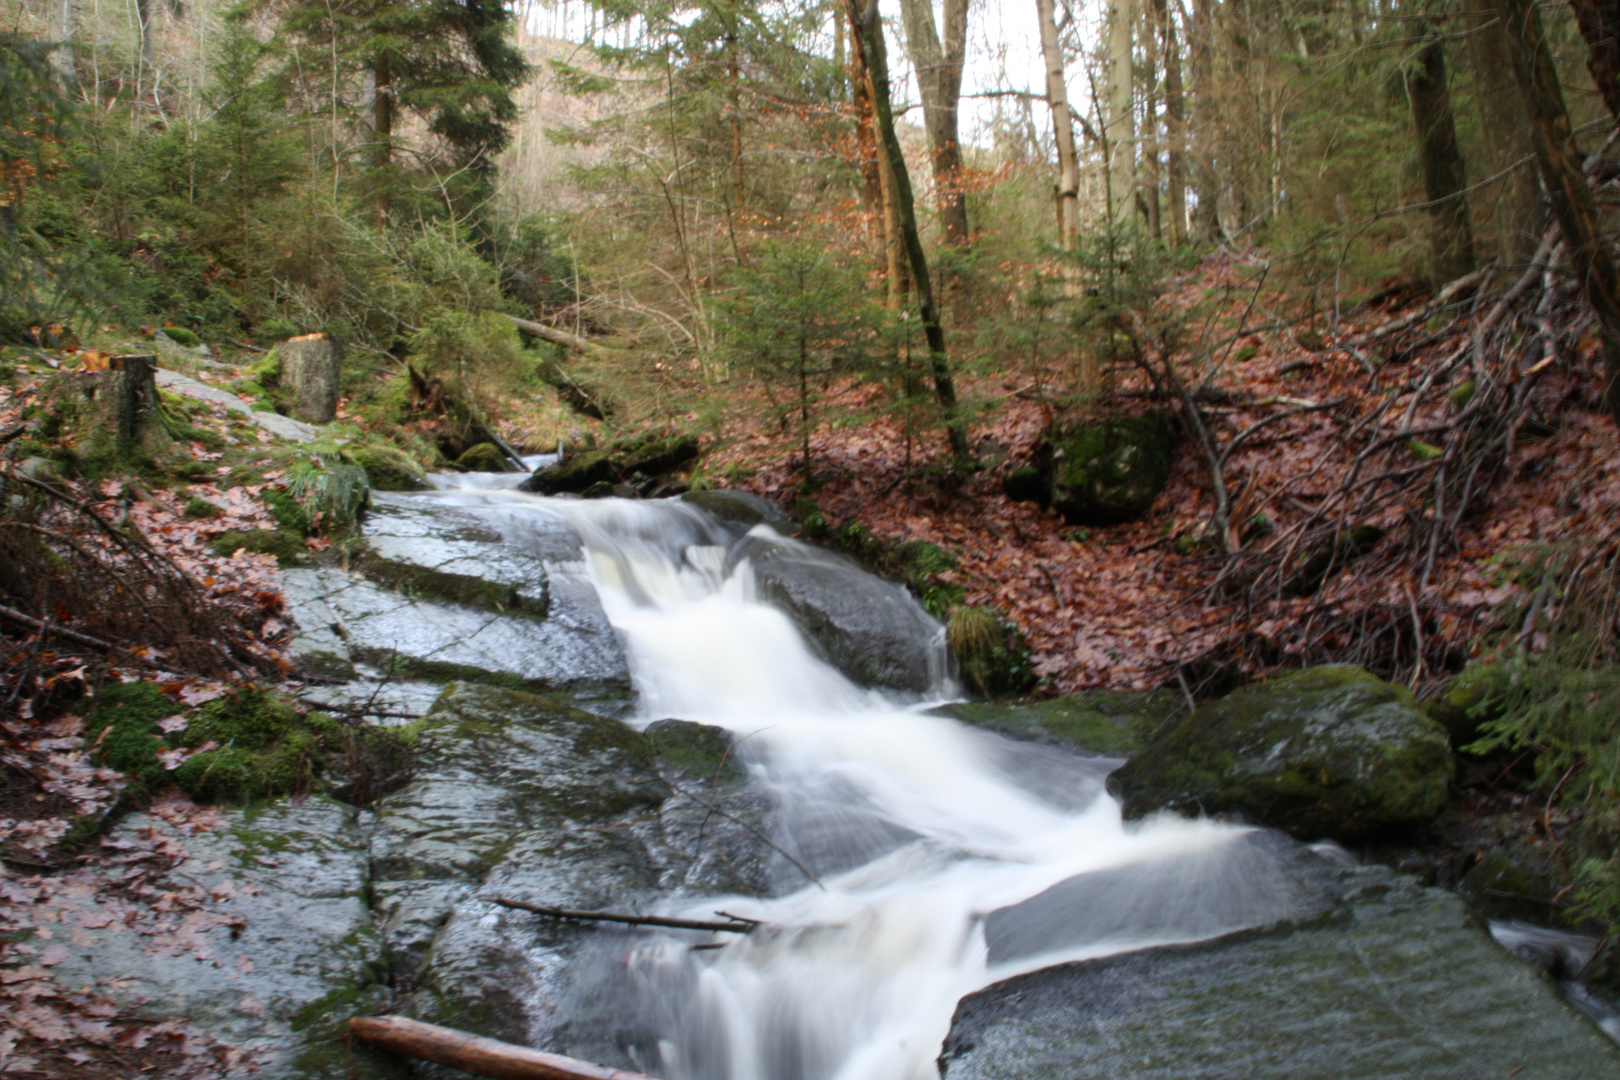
{"points": [[474, 1053], [733, 926]]}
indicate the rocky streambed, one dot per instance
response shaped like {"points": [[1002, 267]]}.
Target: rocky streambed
{"points": [[1183, 949]]}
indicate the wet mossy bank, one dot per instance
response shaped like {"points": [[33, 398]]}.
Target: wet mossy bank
{"points": [[323, 911]]}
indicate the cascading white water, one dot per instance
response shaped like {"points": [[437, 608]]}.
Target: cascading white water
{"points": [[945, 858]]}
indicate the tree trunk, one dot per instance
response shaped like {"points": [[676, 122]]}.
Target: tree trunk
{"points": [[1559, 162], [62, 30], [1174, 125], [939, 78], [1451, 240], [871, 31], [1599, 21], [1206, 215], [1057, 97], [143, 16], [473, 1053], [734, 107], [382, 124], [1150, 134], [1120, 133], [866, 148], [311, 367], [1506, 124]]}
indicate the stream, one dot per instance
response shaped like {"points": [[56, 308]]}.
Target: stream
{"points": [[930, 859]]}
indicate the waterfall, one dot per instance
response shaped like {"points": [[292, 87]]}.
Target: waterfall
{"points": [[943, 858]]}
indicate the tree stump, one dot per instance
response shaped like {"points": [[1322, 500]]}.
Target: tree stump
{"points": [[111, 409], [310, 368]]}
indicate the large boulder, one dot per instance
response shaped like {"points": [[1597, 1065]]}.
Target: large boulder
{"points": [[640, 459], [1099, 472], [873, 631], [459, 592], [1383, 979], [741, 508], [1323, 752], [522, 796]]}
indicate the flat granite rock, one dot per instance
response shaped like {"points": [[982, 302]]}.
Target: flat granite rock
{"points": [[1396, 980], [277, 959], [444, 592]]}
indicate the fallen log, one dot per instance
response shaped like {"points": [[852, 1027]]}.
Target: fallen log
{"points": [[474, 1053], [562, 337], [734, 926]]}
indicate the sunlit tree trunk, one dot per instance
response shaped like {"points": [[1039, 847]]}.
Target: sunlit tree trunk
{"points": [[939, 78], [866, 148], [1057, 97], [1206, 216], [871, 32], [1174, 126], [1559, 161], [1120, 134], [1444, 177]]}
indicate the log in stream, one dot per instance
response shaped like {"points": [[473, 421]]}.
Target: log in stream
{"points": [[474, 1053], [734, 926]]}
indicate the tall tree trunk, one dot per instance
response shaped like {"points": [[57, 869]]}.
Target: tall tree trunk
{"points": [[1559, 162], [1174, 125], [1506, 126], [382, 129], [1599, 21], [1444, 178], [860, 84], [1120, 134], [1057, 97], [1150, 131], [1206, 215], [871, 29], [939, 78], [62, 31], [734, 107]]}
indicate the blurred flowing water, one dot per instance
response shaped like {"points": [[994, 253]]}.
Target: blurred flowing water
{"points": [[932, 858]]}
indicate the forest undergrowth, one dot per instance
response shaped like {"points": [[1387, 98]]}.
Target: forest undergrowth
{"points": [[1336, 548]]}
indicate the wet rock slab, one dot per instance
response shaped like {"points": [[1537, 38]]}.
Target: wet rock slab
{"points": [[282, 956], [1395, 980]]}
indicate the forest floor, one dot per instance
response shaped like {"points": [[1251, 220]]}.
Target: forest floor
{"points": [[1131, 604]]}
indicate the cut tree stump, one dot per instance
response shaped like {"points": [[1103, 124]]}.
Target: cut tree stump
{"points": [[474, 1053], [311, 367]]}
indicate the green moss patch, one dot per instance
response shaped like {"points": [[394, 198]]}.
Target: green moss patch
{"points": [[1113, 722], [288, 548]]}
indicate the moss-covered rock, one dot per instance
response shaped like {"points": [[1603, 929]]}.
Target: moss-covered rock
{"points": [[122, 728], [261, 748], [1028, 483], [1110, 471], [660, 455], [1113, 722], [485, 457], [1472, 698], [741, 508], [699, 751], [390, 469], [288, 548], [1325, 752], [573, 475], [1518, 881]]}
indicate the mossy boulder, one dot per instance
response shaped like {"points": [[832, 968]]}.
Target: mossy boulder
{"points": [[1472, 698], [390, 469], [1112, 722], [485, 457], [287, 547], [288, 514], [1517, 881], [701, 752], [573, 475], [660, 455], [1329, 752], [741, 508], [1106, 472]]}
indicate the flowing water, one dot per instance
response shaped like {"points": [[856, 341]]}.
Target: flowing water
{"points": [[933, 858]]}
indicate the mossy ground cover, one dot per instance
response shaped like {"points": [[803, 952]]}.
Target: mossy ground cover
{"points": [[244, 746]]}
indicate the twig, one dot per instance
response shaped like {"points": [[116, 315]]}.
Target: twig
{"points": [[60, 631], [732, 926]]}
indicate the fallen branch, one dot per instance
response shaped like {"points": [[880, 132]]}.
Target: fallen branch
{"points": [[561, 337], [734, 926], [1447, 294], [474, 1053], [60, 631]]}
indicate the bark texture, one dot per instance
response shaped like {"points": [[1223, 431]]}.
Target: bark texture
{"points": [[1599, 21], [939, 78], [1559, 162], [474, 1053], [1444, 177], [311, 367], [1506, 126], [871, 34], [1121, 130]]}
